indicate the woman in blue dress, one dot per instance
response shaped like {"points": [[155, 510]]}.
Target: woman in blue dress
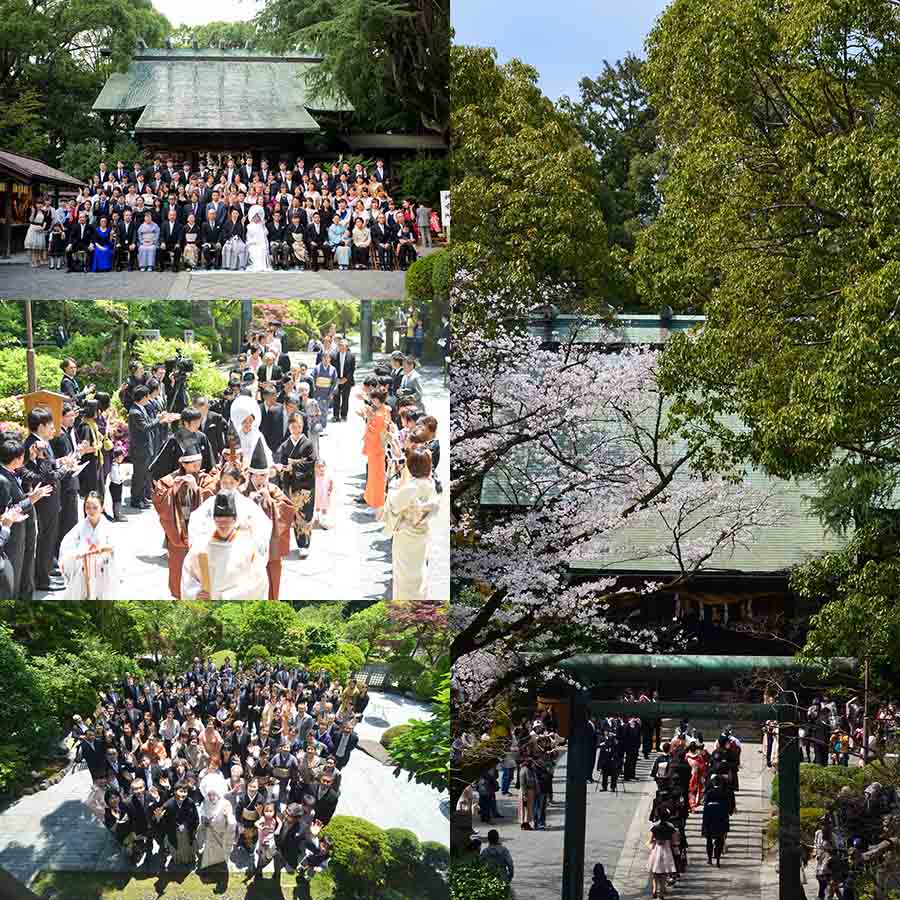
{"points": [[103, 247]]}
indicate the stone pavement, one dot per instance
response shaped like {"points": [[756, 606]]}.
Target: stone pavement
{"points": [[23, 282], [351, 561], [54, 830]]}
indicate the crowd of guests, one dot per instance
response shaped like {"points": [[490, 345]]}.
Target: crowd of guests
{"points": [[232, 214], [240, 764], [262, 444]]}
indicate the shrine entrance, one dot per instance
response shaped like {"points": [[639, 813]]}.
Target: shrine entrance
{"points": [[785, 710]]}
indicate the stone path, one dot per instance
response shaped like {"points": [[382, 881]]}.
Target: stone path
{"points": [[54, 830], [351, 561], [618, 827], [23, 282]]}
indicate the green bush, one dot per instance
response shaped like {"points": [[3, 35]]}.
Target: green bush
{"points": [[13, 766], [254, 651], [394, 732], [423, 177], [82, 159], [12, 412], [353, 655], [335, 664], [473, 880], [289, 662], [424, 686], [268, 624], [441, 275], [404, 670], [405, 850], [435, 855], [14, 372], [809, 824], [420, 280], [205, 380], [361, 854], [220, 656], [321, 640], [820, 784]]}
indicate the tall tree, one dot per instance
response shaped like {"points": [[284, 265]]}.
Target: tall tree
{"points": [[527, 225], [390, 58]]}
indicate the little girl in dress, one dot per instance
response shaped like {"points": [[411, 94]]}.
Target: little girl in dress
{"points": [[324, 491]]}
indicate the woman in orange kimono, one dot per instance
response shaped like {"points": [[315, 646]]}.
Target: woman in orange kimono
{"points": [[374, 443], [697, 759], [211, 742]]}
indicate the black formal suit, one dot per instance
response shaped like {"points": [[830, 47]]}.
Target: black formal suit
{"points": [[79, 238], [70, 387], [121, 176], [126, 235], [65, 444], [19, 549], [263, 375], [273, 426], [384, 247], [216, 430], [211, 244], [341, 405], [198, 209], [230, 229], [170, 234], [49, 471], [141, 428], [316, 240]]}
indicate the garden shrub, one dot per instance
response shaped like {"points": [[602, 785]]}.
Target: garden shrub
{"points": [[12, 415], [420, 280], [809, 824], [820, 784], [405, 850], [205, 380], [436, 855], [473, 880], [441, 274], [353, 655], [423, 177], [335, 664], [14, 372], [254, 651], [404, 670], [13, 766], [394, 732], [321, 639], [361, 854], [220, 656], [424, 686]]}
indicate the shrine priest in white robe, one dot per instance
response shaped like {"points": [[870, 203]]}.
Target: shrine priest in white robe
{"points": [[227, 565]]}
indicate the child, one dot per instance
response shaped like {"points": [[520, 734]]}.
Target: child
{"points": [[324, 490], [116, 479], [342, 254], [266, 827], [316, 860], [57, 246]]}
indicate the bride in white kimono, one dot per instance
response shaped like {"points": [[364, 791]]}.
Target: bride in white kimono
{"points": [[409, 507], [257, 242], [246, 419], [216, 821], [87, 556]]}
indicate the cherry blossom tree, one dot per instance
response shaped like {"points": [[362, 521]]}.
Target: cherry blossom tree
{"points": [[574, 443]]}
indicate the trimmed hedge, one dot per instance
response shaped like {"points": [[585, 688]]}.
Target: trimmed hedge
{"points": [[388, 737], [473, 880], [420, 280], [436, 855], [809, 824], [820, 784], [405, 849], [254, 651], [361, 855]]}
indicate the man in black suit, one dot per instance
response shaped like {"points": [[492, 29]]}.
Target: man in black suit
{"points": [[247, 170], [121, 173], [126, 245], [268, 372], [379, 172], [69, 384], [195, 207], [20, 547], [384, 247], [66, 444], [78, 244], [141, 428], [273, 424], [345, 364], [170, 235], [211, 240], [317, 240], [213, 426]]}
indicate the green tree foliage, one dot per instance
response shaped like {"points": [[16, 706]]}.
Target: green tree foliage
{"points": [[473, 880], [779, 218], [206, 379], [194, 631], [54, 64], [336, 665], [25, 719], [14, 372], [405, 850], [367, 627], [83, 158], [220, 35], [517, 232], [423, 177], [390, 58], [423, 751], [321, 639], [361, 855], [268, 624]]}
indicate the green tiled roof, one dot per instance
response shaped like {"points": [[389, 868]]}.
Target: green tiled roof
{"points": [[217, 90], [628, 329]]}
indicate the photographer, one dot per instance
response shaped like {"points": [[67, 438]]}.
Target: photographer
{"points": [[178, 370], [19, 549]]}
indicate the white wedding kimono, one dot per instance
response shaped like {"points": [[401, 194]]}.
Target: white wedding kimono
{"points": [[233, 569], [94, 578], [408, 511], [257, 242], [217, 834], [240, 409], [250, 515]]}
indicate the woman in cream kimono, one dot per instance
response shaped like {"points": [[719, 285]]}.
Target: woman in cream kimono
{"points": [[217, 821], [87, 556], [409, 507], [257, 242]]}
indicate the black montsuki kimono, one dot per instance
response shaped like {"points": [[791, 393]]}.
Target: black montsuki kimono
{"points": [[299, 483]]}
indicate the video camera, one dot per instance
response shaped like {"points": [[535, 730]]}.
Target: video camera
{"points": [[181, 368]]}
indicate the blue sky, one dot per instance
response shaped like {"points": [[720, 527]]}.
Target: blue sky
{"points": [[563, 42]]}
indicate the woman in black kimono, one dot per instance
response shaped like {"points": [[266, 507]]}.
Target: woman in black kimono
{"points": [[88, 429], [296, 460]]}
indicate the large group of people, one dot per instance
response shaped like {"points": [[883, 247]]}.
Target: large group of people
{"points": [[218, 764], [234, 479], [231, 214]]}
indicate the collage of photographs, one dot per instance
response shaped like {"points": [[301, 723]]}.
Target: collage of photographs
{"points": [[349, 551]]}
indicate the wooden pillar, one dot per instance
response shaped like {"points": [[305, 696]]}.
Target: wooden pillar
{"points": [[6, 237], [365, 331], [577, 766], [789, 887]]}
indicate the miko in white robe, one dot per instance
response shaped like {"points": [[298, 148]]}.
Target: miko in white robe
{"points": [[257, 242], [95, 577], [409, 509], [236, 569], [216, 823]]}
